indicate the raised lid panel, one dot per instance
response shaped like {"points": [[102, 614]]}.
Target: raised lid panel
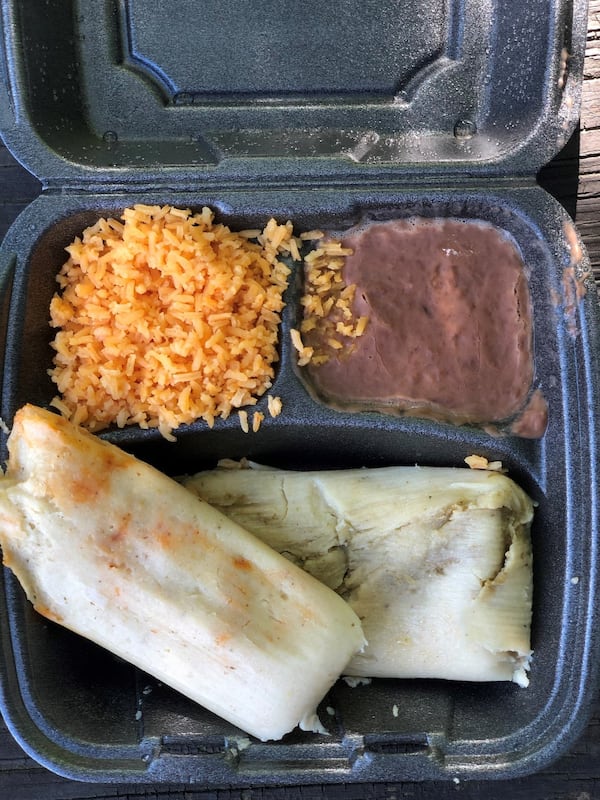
{"points": [[117, 91]]}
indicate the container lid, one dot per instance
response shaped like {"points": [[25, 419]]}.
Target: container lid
{"points": [[104, 94]]}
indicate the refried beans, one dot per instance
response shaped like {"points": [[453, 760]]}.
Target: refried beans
{"points": [[448, 329]]}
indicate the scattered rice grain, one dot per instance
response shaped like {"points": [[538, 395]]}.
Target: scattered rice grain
{"points": [[274, 405], [327, 305], [257, 419], [304, 353], [243, 415]]}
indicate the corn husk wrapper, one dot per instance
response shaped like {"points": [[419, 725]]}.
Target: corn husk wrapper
{"points": [[111, 548], [436, 562]]}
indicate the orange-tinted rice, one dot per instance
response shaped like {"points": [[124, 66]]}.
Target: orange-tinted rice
{"points": [[165, 317]]}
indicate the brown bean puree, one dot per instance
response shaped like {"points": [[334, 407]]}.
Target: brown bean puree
{"points": [[449, 330]]}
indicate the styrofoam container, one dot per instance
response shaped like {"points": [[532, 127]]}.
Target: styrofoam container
{"points": [[323, 114]]}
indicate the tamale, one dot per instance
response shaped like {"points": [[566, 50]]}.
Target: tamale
{"points": [[109, 547], [436, 562]]}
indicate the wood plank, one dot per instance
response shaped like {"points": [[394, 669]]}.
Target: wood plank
{"points": [[588, 202], [590, 93]]}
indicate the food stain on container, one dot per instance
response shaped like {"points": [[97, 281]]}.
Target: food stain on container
{"points": [[573, 280]]}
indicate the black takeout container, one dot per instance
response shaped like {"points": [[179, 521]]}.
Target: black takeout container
{"points": [[325, 114]]}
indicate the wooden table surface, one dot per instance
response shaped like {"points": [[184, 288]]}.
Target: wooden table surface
{"points": [[574, 178]]}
